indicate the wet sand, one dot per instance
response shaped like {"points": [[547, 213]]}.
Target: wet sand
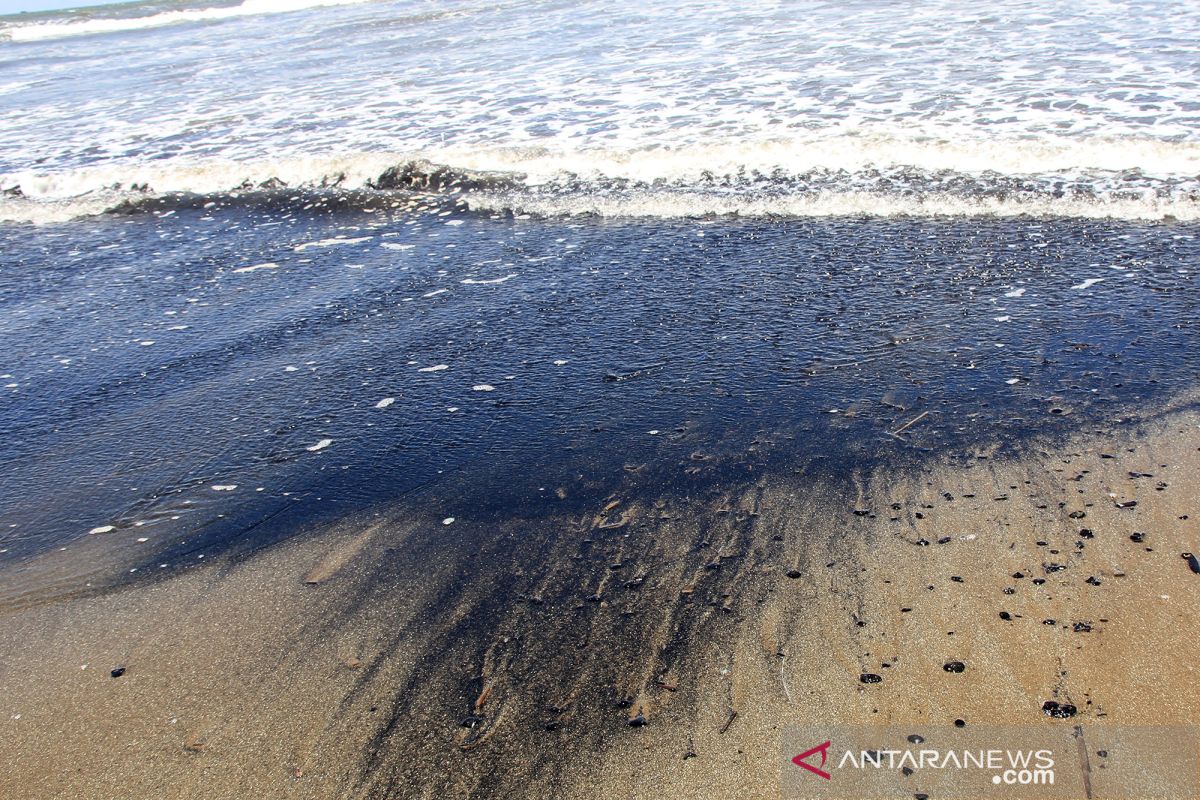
{"points": [[506, 654]]}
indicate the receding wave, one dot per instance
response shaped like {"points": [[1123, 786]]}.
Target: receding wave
{"points": [[848, 175], [841, 203], [96, 25]]}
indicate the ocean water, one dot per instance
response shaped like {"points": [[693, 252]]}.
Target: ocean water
{"points": [[304, 258], [619, 109]]}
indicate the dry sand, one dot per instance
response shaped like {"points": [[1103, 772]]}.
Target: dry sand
{"points": [[503, 656]]}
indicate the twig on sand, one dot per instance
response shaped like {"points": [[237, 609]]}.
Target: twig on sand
{"points": [[910, 423], [783, 680], [728, 722]]}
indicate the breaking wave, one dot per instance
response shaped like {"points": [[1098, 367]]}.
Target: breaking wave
{"points": [[96, 25], [845, 175]]}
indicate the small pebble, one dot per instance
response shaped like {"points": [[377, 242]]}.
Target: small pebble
{"points": [[1063, 711]]}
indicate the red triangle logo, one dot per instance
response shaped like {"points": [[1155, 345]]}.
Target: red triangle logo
{"points": [[822, 749]]}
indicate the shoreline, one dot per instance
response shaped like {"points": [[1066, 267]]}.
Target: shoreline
{"points": [[392, 655]]}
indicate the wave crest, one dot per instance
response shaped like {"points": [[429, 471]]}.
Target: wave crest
{"points": [[98, 25], [851, 176]]}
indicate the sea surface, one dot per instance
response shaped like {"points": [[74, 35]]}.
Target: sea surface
{"points": [[312, 257]]}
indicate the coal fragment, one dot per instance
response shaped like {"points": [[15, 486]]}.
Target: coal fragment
{"points": [[1059, 711]]}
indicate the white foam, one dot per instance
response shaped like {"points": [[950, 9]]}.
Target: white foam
{"points": [[848, 149], [480, 282], [52, 30], [191, 175], [692, 100], [851, 149], [666, 205], [336, 242], [572, 181]]}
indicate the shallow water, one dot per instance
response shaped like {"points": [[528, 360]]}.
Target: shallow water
{"points": [[295, 259], [200, 369]]}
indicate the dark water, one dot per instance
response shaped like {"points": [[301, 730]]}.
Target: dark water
{"points": [[804, 339]]}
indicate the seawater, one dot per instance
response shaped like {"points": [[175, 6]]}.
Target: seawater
{"points": [[765, 108], [310, 258]]}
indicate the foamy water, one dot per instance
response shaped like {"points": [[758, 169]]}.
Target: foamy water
{"points": [[1089, 111], [58, 30]]}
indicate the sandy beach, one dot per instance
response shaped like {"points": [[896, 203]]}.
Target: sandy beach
{"points": [[411, 400], [657, 645]]}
